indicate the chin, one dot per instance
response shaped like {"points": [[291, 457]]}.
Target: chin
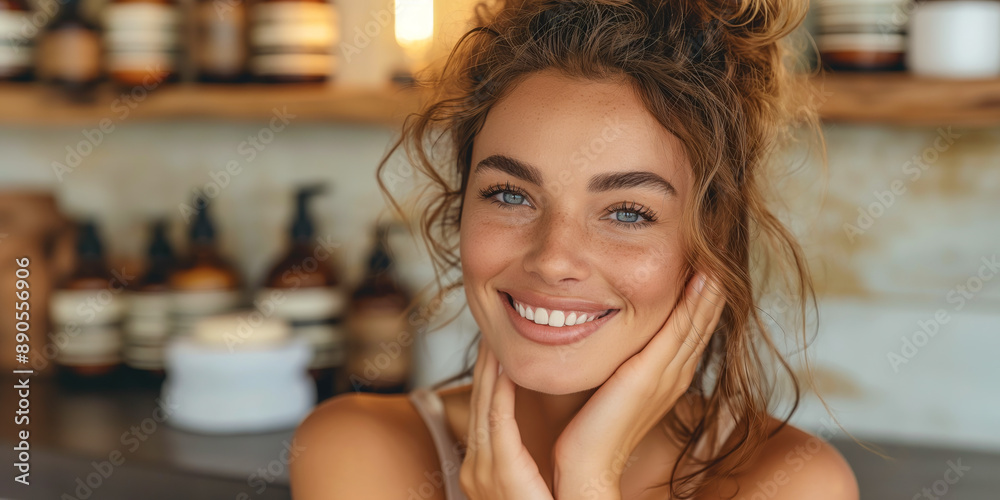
{"points": [[556, 378]]}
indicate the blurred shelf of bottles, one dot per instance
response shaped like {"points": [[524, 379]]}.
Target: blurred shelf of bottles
{"points": [[191, 318], [949, 39], [94, 51]]}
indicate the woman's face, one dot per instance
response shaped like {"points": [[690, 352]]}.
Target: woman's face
{"points": [[573, 206]]}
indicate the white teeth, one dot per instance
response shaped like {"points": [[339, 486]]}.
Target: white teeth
{"points": [[554, 318], [557, 318], [541, 316]]}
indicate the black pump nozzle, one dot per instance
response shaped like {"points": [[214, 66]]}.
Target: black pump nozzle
{"points": [[159, 245], [303, 228], [88, 241], [202, 229], [380, 260]]}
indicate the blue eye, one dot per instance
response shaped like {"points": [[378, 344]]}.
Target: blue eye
{"points": [[505, 195], [631, 215], [512, 198], [625, 216]]}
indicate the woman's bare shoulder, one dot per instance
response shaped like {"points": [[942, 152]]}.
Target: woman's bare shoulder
{"points": [[362, 446], [794, 464]]}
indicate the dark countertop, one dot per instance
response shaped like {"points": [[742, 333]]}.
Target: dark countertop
{"points": [[72, 430], [914, 468]]}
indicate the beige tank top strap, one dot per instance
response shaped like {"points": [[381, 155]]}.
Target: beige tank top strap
{"points": [[430, 407]]}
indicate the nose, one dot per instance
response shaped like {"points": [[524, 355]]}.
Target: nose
{"points": [[557, 252]]}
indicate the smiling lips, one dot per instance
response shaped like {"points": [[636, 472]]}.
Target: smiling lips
{"points": [[554, 317], [552, 320]]}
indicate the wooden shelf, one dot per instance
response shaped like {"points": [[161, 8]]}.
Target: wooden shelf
{"points": [[903, 99], [886, 98], [35, 104]]}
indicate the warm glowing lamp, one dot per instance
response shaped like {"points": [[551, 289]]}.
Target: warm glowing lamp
{"points": [[414, 33]]}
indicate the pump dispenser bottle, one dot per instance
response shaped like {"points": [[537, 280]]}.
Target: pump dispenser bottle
{"points": [[303, 287]]}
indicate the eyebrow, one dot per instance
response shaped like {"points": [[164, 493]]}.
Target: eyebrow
{"points": [[598, 183], [511, 166], [625, 180]]}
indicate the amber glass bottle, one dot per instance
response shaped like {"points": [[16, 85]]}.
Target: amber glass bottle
{"points": [[206, 283], [69, 52], [220, 49], [381, 335], [16, 44], [86, 313], [292, 41], [142, 40], [303, 287], [147, 321]]}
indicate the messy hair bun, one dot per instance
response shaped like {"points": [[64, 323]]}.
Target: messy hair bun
{"points": [[715, 74]]}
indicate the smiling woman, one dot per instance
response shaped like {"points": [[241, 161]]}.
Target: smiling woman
{"points": [[597, 172]]}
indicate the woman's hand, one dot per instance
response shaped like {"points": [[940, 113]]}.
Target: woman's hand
{"points": [[594, 448], [497, 466]]}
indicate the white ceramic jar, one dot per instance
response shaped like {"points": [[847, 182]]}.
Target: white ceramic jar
{"points": [[955, 39], [238, 375]]}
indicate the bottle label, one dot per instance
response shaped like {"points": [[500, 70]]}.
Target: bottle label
{"points": [[302, 304], [221, 31], [149, 304], [190, 306], [298, 13], [140, 36], [293, 36], [312, 313], [148, 316], [143, 357], [204, 302], [86, 307], [16, 49], [90, 345], [380, 348], [140, 17], [329, 343]]}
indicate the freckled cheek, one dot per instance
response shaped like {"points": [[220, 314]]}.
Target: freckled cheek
{"points": [[646, 278], [488, 247]]}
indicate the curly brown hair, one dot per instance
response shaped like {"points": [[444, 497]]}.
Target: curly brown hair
{"points": [[714, 73]]}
